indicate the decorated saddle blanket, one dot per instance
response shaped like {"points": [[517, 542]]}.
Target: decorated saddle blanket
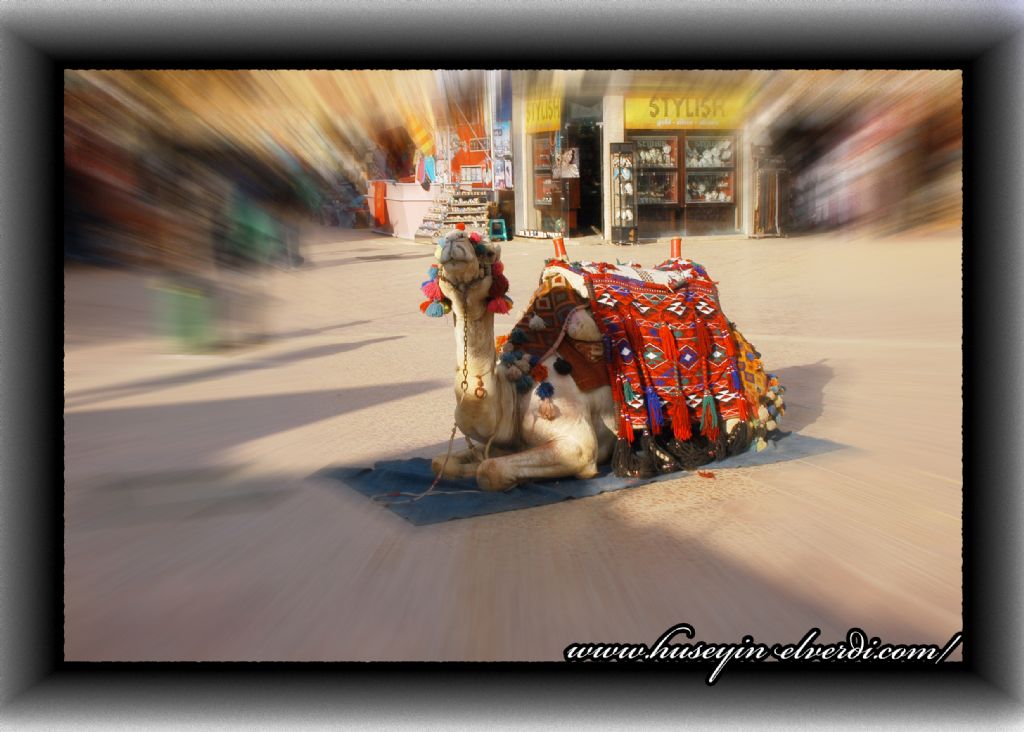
{"points": [[543, 328], [675, 363]]}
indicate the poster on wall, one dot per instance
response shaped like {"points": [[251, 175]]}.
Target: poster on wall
{"points": [[503, 140], [567, 163]]}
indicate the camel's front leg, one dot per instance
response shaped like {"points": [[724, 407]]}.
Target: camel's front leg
{"points": [[559, 458], [461, 463]]}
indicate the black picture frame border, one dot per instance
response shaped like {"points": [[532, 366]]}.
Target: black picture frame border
{"points": [[37, 42]]}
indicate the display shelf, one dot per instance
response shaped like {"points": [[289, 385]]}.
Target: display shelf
{"points": [[657, 153], [705, 151], [543, 152], [543, 190], [657, 187], [624, 193], [451, 207], [715, 187]]}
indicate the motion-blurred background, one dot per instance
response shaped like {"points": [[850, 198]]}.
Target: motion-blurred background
{"points": [[206, 176], [243, 252]]}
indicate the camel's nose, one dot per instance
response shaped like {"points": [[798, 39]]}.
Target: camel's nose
{"points": [[454, 251]]}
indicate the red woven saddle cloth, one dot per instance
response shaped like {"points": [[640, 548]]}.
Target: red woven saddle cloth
{"points": [[672, 362]]}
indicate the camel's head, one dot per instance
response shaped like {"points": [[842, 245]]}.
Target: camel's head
{"points": [[468, 276]]}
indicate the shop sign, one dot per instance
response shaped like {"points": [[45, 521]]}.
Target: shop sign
{"points": [[693, 110], [543, 114]]}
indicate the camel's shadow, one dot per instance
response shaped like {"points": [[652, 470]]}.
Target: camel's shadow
{"points": [[805, 388]]}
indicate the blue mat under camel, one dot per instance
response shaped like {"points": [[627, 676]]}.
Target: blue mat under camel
{"points": [[453, 499]]}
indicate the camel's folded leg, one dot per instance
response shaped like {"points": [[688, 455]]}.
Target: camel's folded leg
{"points": [[556, 459], [461, 463]]}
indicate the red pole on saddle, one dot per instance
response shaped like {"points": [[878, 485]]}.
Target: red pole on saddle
{"points": [[560, 248], [677, 248]]}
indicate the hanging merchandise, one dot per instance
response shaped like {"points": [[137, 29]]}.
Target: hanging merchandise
{"points": [[430, 170]]}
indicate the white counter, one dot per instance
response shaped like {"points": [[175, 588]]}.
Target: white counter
{"points": [[407, 204]]}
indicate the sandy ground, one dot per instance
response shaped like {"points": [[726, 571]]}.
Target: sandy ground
{"points": [[194, 529]]}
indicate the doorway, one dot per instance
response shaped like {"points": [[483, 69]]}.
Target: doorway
{"points": [[583, 133]]}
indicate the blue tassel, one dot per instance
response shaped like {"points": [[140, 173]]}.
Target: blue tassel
{"points": [[480, 249], [773, 412], [435, 310], [432, 272], [510, 358], [607, 348], [534, 360], [517, 336], [654, 407], [524, 384], [545, 390], [708, 411]]}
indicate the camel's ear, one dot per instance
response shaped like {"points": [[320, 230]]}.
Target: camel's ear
{"points": [[493, 252]]}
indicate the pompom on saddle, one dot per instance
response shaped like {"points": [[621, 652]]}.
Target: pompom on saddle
{"points": [[678, 368]]}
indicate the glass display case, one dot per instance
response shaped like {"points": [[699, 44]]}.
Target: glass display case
{"points": [[658, 187], [543, 152], [657, 152], [543, 188], [624, 192], [710, 152], [709, 187]]}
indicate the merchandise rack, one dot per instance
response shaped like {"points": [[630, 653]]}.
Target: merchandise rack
{"points": [[454, 206]]}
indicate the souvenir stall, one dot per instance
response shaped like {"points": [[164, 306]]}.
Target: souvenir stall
{"points": [[688, 165]]}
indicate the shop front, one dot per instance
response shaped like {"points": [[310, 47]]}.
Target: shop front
{"points": [[565, 137], [687, 168], [688, 157]]}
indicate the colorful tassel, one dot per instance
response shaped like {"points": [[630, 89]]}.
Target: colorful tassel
{"points": [[514, 373], [500, 341], [432, 290], [424, 306], [498, 305], [704, 344], [432, 272], [548, 410], [517, 336], [545, 390], [499, 285], [563, 367], [668, 343], [435, 310], [498, 268], [680, 417], [479, 249], [475, 237], [540, 373], [654, 410], [709, 417], [524, 384], [537, 323], [510, 357], [627, 391]]}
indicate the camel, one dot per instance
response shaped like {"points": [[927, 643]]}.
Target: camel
{"points": [[523, 436]]}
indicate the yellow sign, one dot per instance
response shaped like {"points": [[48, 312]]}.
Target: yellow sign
{"points": [[543, 114], [689, 111]]}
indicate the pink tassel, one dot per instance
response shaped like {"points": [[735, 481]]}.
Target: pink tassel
{"points": [[498, 305], [432, 291]]}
